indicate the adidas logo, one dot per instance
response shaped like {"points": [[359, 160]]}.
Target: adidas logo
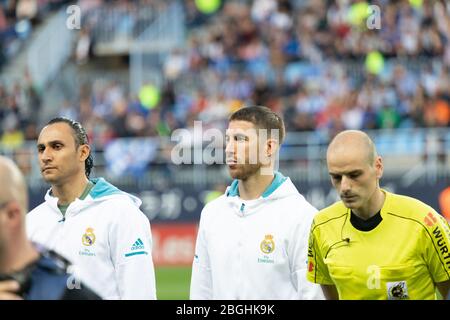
{"points": [[138, 245]]}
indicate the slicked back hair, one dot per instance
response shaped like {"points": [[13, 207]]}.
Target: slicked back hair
{"points": [[80, 136]]}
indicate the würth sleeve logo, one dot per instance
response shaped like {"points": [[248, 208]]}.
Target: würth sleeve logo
{"points": [[430, 220], [442, 243]]}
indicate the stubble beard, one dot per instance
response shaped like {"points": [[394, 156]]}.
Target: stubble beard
{"points": [[243, 172]]}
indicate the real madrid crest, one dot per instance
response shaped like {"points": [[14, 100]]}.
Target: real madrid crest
{"points": [[267, 245], [88, 238]]}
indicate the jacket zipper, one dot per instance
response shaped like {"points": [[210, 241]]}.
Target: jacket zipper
{"points": [[63, 216]]}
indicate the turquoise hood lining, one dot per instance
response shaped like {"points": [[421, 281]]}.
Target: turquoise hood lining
{"points": [[102, 188], [277, 181]]}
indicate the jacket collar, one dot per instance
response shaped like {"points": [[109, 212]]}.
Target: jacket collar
{"points": [[233, 190]]}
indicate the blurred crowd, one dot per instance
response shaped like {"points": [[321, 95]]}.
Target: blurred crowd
{"points": [[18, 18], [19, 106], [20, 102], [323, 65], [307, 60]]}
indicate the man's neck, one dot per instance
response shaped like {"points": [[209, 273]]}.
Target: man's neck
{"points": [[18, 255], [69, 191], [253, 187], [373, 206]]}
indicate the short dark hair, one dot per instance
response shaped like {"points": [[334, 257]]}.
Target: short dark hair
{"points": [[262, 118], [80, 137]]}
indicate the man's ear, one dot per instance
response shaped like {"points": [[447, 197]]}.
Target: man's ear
{"points": [[13, 213], [379, 167], [85, 150], [271, 147]]}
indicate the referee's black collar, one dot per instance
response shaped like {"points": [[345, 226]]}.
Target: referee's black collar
{"points": [[365, 225]]}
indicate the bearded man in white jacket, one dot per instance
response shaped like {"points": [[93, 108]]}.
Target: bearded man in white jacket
{"points": [[252, 241], [98, 227]]}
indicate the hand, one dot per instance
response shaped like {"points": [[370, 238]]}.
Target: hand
{"points": [[8, 288]]}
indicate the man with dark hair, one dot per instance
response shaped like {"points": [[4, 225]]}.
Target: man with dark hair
{"points": [[28, 271], [252, 241], [95, 225], [81, 138]]}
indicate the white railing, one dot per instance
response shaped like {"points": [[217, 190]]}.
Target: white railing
{"points": [[149, 50], [51, 47], [137, 28], [116, 28], [409, 155]]}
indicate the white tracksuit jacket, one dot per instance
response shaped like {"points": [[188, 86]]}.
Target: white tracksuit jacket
{"points": [[105, 236], [254, 249]]}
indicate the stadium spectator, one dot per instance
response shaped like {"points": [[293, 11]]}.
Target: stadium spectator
{"points": [[375, 244]]}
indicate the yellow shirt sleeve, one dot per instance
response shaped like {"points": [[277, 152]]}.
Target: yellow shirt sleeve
{"points": [[437, 247], [317, 269]]}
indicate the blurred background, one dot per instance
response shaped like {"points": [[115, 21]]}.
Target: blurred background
{"points": [[138, 74]]}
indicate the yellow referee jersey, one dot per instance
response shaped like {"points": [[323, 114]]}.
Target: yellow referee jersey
{"points": [[401, 258]]}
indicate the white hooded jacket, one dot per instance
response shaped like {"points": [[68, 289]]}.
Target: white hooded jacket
{"points": [[105, 236], [255, 249]]}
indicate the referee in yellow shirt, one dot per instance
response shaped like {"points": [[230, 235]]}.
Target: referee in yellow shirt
{"points": [[374, 244]]}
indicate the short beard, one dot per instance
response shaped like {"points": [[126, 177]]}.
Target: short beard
{"points": [[245, 171]]}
